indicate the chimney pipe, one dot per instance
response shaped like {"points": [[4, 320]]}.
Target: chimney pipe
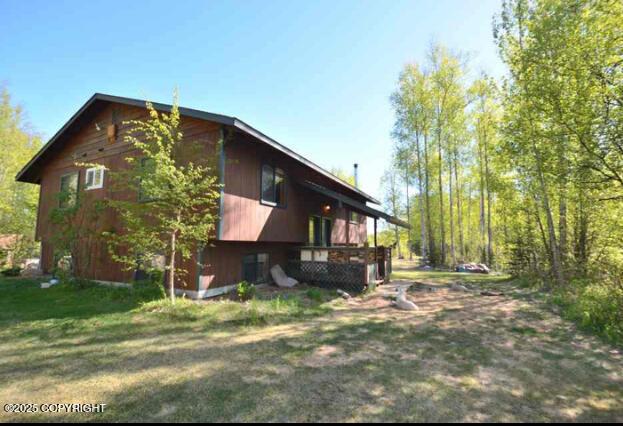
{"points": [[356, 175]]}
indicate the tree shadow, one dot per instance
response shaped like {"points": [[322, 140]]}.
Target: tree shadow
{"points": [[460, 358]]}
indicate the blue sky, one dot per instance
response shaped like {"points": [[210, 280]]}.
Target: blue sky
{"points": [[314, 75]]}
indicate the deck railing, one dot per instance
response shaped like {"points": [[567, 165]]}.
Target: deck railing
{"points": [[348, 268], [349, 277]]}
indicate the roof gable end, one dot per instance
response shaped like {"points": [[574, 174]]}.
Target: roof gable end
{"points": [[27, 174]]}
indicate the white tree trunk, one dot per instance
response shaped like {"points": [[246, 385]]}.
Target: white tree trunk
{"points": [[172, 268]]}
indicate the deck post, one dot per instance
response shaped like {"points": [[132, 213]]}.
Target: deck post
{"points": [[375, 244]]}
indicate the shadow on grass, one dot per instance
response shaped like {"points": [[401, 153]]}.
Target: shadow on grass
{"points": [[353, 372], [460, 358]]}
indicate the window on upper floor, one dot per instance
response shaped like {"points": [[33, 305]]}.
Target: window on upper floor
{"points": [[353, 217], [273, 190], [94, 178], [69, 190]]}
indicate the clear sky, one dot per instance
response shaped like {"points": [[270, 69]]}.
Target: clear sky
{"points": [[314, 75]]}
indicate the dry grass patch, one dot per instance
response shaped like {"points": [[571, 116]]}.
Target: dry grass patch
{"points": [[461, 357]]}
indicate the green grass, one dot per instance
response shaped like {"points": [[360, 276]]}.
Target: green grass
{"points": [[302, 355], [444, 277]]}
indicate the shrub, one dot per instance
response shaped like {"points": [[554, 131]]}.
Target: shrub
{"points": [[529, 281], [64, 276], [314, 294], [80, 283], [245, 291], [12, 272], [148, 290], [595, 306]]}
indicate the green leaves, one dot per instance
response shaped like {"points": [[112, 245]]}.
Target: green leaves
{"points": [[563, 124], [18, 200], [176, 192]]}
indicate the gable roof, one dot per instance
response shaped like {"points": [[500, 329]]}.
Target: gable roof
{"points": [[27, 175]]}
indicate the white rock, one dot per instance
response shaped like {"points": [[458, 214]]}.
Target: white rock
{"points": [[54, 281], [45, 285], [405, 305], [281, 279], [343, 294]]}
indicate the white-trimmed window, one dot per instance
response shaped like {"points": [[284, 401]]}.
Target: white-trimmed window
{"points": [[94, 178]]}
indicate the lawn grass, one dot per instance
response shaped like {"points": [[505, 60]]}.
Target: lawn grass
{"points": [[304, 355]]}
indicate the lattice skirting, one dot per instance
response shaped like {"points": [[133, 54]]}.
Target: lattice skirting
{"points": [[345, 276]]}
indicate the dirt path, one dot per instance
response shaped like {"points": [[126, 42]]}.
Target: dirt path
{"points": [[505, 358], [460, 357]]}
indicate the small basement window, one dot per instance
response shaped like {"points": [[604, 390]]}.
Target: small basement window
{"points": [[273, 190], [94, 178], [69, 190], [255, 268]]}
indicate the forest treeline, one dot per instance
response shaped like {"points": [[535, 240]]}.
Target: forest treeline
{"points": [[524, 173], [18, 201]]}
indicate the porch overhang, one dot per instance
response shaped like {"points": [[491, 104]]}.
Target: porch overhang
{"points": [[363, 208]]}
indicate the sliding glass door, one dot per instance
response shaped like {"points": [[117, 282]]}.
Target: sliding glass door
{"points": [[320, 231]]}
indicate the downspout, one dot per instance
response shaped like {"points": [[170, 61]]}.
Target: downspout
{"points": [[375, 242]]}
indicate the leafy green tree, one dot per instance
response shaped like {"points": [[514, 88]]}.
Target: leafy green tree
{"points": [[392, 201], [178, 189], [526, 172], [77, 229], [485, 117], [18, 201], [431, 135], [343, 175], [563, 123], [413, 108]]}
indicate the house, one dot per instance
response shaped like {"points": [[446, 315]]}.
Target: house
{"points": [[276, 207]]}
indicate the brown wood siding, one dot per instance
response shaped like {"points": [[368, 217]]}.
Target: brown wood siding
{"points": [[245, 218], [90, 144], [247, 225], [345, 232], [223, 260]]}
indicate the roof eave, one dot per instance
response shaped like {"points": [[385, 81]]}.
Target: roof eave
{"points": [[22, 176], [367, 210], [239, 124]]}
